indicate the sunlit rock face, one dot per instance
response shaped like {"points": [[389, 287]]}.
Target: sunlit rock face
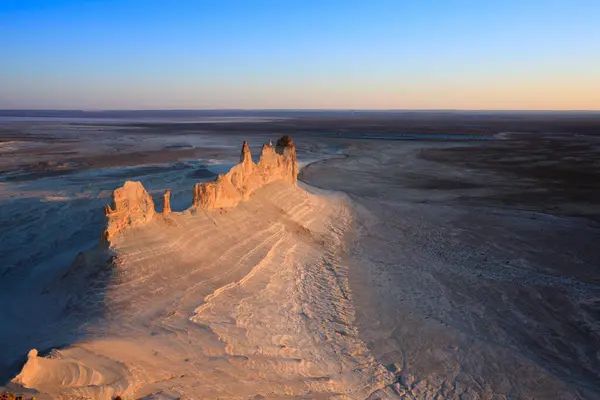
{"points": [[275, 164], [132, 205], [167, 202]]}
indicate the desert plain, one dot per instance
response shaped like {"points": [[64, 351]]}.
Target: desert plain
{"points": [[416, 255]]}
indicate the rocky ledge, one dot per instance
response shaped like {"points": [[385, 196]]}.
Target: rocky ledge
{"points": [[133, 205]]}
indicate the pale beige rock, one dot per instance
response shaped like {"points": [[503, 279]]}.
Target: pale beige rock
{"points": [[30, 368], [275, 164], [167, 202], [132, 205], [79, 373], [248, 303]]}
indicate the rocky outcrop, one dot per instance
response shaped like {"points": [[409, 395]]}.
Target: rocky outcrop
{"points": [[167, 202], [29, 369], [275, 164], [132, 205]]}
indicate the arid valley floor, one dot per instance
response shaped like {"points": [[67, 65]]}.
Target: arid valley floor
{"points": [[421, 255]]}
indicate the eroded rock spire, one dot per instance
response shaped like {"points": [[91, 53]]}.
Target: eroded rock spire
{"points": [[167, 202], [132, 205]]}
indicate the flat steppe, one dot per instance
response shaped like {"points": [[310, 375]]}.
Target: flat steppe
{"points": [[468, 243]]}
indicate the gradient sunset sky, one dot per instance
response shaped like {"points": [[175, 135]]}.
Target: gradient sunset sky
{"points": [[332, 54]]}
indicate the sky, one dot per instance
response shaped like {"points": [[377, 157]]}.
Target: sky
{"points": [[300, 54]]}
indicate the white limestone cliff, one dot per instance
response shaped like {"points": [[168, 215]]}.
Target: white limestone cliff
{"points": [[132, 205]]}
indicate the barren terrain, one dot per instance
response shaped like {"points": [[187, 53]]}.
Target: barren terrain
{"points": [[422, 255]]}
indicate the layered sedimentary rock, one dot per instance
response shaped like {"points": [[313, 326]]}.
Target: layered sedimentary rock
{"points": [[249, 303], [167, 202], [132, 205], [275, 164]]}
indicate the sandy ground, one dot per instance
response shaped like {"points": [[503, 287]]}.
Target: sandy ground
{"points": [[436, 268]]}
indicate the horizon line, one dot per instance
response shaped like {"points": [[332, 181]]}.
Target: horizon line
{"points": [[300, 109]]}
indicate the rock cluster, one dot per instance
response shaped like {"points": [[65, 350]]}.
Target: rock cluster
{"points": [[275, 164], [132, 205]]}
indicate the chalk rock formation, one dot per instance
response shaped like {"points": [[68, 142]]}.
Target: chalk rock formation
{"points": [[167, 202], [275, 164], [132, 205], [76, 369], [29, 369]]}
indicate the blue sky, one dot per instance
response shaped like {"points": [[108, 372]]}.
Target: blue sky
{"points": [[371, 54]]}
